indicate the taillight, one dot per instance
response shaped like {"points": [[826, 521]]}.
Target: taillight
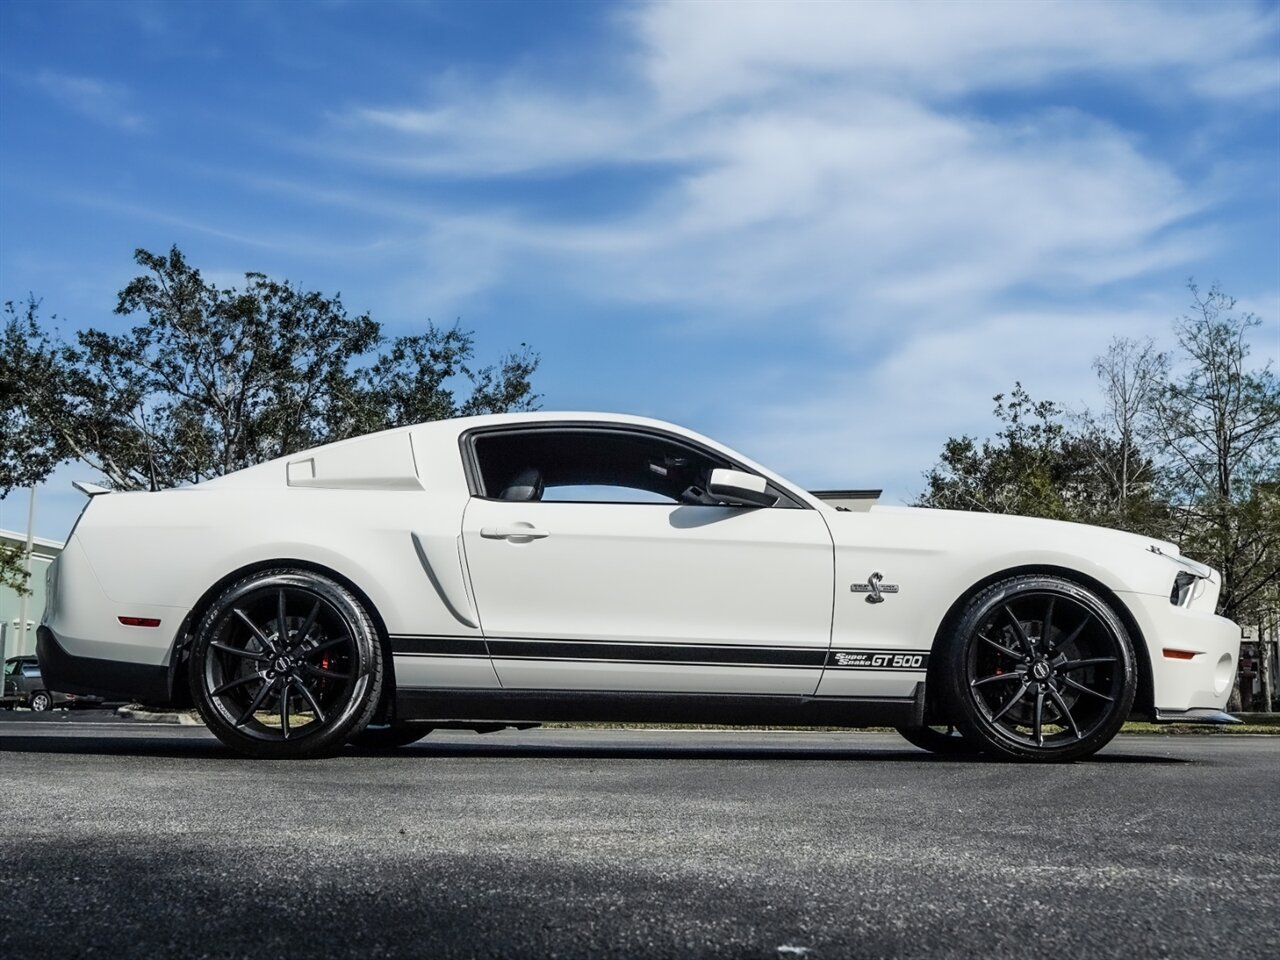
{"points": [[139, 621]]}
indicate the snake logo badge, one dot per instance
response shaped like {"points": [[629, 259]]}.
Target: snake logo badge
{"points": [[874, 588]]}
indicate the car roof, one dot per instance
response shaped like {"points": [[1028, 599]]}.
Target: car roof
{"points": [[436, 436]]}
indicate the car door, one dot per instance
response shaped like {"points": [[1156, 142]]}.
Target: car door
{"points": [[30, 678], [598, 562]]}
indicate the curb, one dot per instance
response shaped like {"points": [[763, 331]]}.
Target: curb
{"points": [[167, 716]]}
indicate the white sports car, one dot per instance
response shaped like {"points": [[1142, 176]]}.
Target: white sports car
{"points": [[511, 569]]}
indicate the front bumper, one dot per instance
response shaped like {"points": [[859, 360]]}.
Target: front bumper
{"points": [[1195, 715], [1193, 657]]}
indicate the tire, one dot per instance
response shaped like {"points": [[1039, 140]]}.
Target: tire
{"points": [[944, 741], [40, 701], [389, 737], [303, 697], [1039, 668]]}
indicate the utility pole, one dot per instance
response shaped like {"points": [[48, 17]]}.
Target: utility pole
{"points": [[26, 565], [1268, 635]]}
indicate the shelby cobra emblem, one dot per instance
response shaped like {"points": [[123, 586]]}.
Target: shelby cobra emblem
{"points": [[875, 586]]}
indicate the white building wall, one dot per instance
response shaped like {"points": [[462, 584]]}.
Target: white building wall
{"points": [[18, 641]]}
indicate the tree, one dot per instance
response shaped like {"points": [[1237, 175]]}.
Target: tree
{"points": [[1185, 448], [13, 571], [29, 449], [1217, 425], [1034, 466], [1130, 374], [1268, 632], [216, 379]]}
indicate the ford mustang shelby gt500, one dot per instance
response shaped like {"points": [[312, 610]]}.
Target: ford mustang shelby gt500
{"points": [[511, 569]]}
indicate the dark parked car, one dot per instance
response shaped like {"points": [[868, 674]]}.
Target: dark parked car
{"points": [[24, 687]]}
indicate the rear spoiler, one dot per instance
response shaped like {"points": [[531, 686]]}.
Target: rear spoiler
{"points": [[90, 490]]}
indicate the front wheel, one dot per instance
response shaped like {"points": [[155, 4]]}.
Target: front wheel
{"points": [[1039, 668], [286, 664]]}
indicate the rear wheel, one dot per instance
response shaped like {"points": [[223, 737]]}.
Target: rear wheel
{"points": [[943, 740], [286, 664], [40, 701], [1040, 668]]}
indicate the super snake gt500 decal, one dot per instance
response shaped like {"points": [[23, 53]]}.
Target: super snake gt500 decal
{"points": [[878, 660]]}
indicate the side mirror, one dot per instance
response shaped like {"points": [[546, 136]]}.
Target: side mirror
{"points": [[740, 489]]}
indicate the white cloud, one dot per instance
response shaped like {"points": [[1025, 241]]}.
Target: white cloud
{"points": [[101, 101], [695, 63], [826, 177], [507, 128], [1255, 77], [816, 152], [703, 53], [869, 200]]}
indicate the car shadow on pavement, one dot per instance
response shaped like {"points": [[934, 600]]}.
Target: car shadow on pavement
{"points": [[123, 746], [212, 749], [209, 749], [805, 754]]}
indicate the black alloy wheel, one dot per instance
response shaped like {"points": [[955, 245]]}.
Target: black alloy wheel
{"points": [[286, 664], [1040, 668], [945, 740]]}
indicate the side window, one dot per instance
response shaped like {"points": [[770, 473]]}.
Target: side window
{"points": [[592, 466], [31, 670], [10, 667]]}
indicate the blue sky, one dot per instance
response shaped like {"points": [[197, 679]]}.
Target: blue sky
{"points": [[824, 233]]}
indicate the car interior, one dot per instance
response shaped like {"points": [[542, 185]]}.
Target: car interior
{"points": [[592, 466]]}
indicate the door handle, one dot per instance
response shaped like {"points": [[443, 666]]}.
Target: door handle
{"points": [[513, 531]]}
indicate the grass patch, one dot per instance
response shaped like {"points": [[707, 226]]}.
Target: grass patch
{"points": [[1269, 725], [1211, 729], [1139, 727]]}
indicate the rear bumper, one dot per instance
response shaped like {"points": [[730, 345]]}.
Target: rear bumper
{"points": [[110, 679]]}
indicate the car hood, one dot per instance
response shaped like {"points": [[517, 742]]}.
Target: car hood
{"points": [[973, 534], [1036, 528]]}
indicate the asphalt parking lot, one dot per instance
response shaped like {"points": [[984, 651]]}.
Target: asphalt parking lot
{"points": [[126, 840]]}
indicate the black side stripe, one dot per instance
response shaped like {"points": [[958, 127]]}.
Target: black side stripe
{"points": [[440, 646], [657, 653], [728, 655]]}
